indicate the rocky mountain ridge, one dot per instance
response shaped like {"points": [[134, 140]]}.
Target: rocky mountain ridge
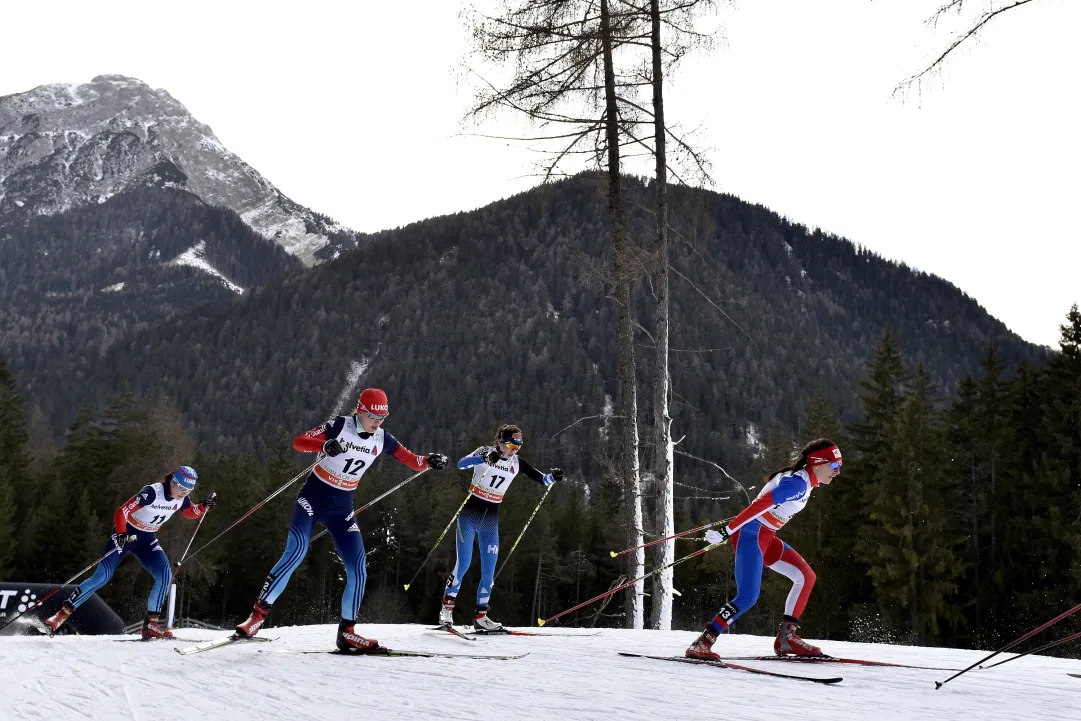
{"points": [[65, 145]]}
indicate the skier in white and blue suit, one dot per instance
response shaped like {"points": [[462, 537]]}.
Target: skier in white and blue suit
{"points": [[494, 467]]}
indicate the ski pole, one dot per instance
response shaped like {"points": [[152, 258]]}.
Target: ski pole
{"points": [[257, 506], [372, 502], [1035, 650], [615, 554], [546, 491], [699, 552], [45, 598], [197, 527], [438, 540], [1011, 644]]}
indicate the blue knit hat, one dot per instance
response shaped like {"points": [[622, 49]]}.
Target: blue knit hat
{"points": [[185, 477]]}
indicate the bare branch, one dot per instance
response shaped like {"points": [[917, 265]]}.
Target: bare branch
{"points": [[957, 5], [586, 418], [719, 309], [718, 467]]}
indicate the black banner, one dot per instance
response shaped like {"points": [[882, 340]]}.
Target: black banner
{"points": [[94, 617]]}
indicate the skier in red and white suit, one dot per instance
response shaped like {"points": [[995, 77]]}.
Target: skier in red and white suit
{"points": [[754, 538]]}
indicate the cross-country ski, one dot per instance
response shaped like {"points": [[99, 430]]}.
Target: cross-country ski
{"points": [[831, 659], [733, 666], [464, 635], [473, 634], [220, 643], [396, 653]]}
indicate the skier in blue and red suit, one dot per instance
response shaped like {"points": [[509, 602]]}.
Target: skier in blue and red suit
{"points": [[754, 538], [135, 532], [351, 444]]}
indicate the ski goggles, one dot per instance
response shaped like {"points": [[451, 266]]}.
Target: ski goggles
{"points": [[513, 443], [375, 416]]}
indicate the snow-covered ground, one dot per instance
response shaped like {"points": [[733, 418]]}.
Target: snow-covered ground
{"points": [[97, 677]]}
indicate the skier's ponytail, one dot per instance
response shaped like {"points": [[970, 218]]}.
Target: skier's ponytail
{"points": [[819, 444]]}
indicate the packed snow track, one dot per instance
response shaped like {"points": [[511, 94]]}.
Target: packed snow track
{"points": [[97, 677]]}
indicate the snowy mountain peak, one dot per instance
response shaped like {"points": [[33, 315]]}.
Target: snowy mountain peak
{"points": [[63, 145]]}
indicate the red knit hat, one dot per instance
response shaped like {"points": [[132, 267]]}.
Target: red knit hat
{"points": [[373, 401]]}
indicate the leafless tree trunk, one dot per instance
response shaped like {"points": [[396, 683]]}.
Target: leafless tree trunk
{"points": [[663, 459], [632, 491]]}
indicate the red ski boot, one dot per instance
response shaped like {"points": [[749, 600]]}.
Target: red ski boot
{"points": [[55, 621], [702, 648], [788, 643], [349, 641], [255, 621], [153, 628]]}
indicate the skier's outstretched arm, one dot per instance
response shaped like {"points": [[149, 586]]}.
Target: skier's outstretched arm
{"points": [[545, 479], [435, 461]]}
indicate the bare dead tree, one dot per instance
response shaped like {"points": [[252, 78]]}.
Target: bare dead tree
{"points": [[566, 82], [990, 13], [577, 68], [677, 17]]}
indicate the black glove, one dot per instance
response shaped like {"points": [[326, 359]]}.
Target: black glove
{"points": [[122, 539], [333, 448], [557, 474], [436, 461], [210, 501], [492, 457]]}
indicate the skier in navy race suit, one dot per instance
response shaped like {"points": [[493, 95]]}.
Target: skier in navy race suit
{"points": [[350, 444]]}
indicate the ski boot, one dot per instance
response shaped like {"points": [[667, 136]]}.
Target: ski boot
{"points": [[702, 648], [55, 621], [349, 641], [483, 624], [446, 613], [153, 628], [255, 621], [788, 643]]}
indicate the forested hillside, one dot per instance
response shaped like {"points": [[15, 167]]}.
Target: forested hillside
{"points": [[74, 283], [502, 314]]}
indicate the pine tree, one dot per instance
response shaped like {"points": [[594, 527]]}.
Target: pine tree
{"points": [[910, 547], [871, 443], [13, 466]]}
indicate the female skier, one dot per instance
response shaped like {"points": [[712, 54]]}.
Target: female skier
{"points": [[351, 445], [494, 467], [135, 531], [754, 539]]}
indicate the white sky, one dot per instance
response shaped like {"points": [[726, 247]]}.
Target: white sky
{"points": [[355, 117]]}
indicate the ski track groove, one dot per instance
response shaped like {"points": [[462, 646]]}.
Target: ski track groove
{"points": [[77, 677], [122, 673]]}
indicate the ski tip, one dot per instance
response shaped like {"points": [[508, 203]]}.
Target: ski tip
{"points": [[613, 554], [407, 587], [540, 621]]}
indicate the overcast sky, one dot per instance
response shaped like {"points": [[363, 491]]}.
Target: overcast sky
{"points": [[351, 113]]}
